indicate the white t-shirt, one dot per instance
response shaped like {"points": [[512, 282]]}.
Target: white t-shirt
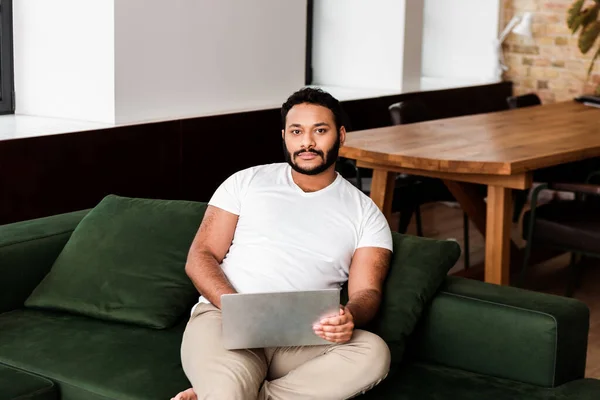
{"points": [[287, 239]]}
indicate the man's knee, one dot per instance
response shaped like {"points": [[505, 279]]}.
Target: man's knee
{"points": [[229, 375], [376, 357], [227, 383]]}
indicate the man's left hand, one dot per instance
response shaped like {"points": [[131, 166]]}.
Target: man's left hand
{"points": [[336, 329]]}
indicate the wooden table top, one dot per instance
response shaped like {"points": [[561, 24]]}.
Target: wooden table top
{"points": [[499, 143]]}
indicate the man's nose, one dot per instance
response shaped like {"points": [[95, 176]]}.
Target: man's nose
{"points": [[308, 140]]}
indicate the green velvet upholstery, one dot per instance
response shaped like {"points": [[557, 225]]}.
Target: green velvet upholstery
{"points": [[418, 268], [27, 251], [485, 328], [16, 384], [125, 262]]}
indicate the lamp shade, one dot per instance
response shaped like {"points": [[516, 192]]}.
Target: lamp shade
{"points": [[523, 28]]}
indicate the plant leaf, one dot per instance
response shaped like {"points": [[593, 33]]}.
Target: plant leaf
{"points": [[585, 17], [588, 36], [591, 67], [573, 14], [590, 15]]}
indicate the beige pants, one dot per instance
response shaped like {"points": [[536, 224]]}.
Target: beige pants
{"points": [[336, 371]]}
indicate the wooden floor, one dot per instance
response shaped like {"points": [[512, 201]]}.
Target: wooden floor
{"points": [[445, 222]]}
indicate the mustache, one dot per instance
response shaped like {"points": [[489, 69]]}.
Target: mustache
{"points": [[314, 151]]}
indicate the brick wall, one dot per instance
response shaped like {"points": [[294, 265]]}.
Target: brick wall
{"points": [[550, 64]]}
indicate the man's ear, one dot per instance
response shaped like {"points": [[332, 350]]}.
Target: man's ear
{"points": [[342, 136], [283, 133]]}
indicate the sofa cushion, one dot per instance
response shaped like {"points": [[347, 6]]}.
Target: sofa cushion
{"points": [[16, 384], [125, 261], [418, 268], [93, 359]]}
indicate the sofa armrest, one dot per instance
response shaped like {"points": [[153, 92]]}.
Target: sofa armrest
{"points": [[27, 251], [506, 332]]}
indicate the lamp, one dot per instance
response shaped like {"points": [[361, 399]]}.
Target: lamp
{"points": [[518, 25], [523, 28]]}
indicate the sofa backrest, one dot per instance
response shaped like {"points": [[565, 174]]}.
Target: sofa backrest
{"points": [[27, 251]]}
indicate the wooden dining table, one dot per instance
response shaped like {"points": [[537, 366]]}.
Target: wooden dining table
{"points": [[499, 149]]}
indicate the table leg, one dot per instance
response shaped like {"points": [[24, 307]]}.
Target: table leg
{"points": [[382, 191], [497, 240], [470, 201]]}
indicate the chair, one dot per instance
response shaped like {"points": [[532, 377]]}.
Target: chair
{"points": [[573, 226], [431, 190], [526, 100], [514, 102]]}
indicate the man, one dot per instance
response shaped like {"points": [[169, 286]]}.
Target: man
{"points": [[290, 226]]}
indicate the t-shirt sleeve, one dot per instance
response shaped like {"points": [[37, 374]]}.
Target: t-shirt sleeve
{"points": [[375, 230], [230, 193]]}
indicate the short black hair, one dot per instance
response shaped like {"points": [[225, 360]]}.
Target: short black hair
{"points": [[314, 96]]}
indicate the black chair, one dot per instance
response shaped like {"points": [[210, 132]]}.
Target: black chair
{"points": [[514, 102], [572, 226], [407, 192], [525, 100], [430, 189]]}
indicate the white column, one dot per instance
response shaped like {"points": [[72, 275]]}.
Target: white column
{"points": [[367, 45]]}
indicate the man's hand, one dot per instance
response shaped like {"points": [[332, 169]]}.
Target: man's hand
{"points": [[336, 329]]}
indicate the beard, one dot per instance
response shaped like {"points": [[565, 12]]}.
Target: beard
{"points": [[328, 159]]}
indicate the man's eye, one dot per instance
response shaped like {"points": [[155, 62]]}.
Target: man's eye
{"points": [[295, 132], [321, 130]]}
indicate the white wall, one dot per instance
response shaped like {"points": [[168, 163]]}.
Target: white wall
{"points": [[200, 57], [64, 59], [362, 44], [458, 38]]}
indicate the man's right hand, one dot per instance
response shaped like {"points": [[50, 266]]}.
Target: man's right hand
{"points": [[336, 329]]}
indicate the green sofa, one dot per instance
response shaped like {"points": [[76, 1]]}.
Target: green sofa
{"points": [[474, 340]]}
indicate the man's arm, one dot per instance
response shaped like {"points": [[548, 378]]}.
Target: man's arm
{"points": [[208, 249], [367, 273]]}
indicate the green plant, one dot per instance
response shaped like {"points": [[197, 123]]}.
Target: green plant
{"points": [[586, 21]]}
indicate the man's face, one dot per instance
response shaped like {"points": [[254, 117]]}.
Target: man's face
{"points": [[310, 139]]}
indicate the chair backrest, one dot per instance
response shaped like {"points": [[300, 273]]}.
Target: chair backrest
{"points": [[409, 112], [526, 100]]}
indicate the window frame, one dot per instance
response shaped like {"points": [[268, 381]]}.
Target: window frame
{"points": [[308, 73], [7, 92]]}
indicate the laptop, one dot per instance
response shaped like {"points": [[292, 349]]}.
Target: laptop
{"points": [[256, 320]]}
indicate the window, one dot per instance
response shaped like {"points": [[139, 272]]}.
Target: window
{"points": [[7, 95]]}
